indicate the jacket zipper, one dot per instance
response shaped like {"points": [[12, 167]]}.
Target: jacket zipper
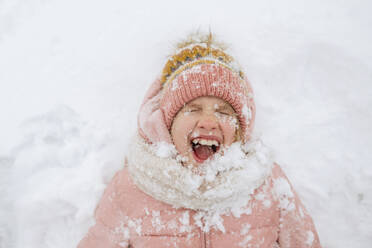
{"points": [[203, 239], [203, 236]]}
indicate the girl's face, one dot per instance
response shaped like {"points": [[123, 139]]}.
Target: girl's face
{"points": [[202, 127]]}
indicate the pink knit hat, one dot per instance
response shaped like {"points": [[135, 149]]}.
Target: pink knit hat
{"points": [[195, 71]]}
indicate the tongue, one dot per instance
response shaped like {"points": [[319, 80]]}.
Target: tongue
{"points": [[203, 152]]}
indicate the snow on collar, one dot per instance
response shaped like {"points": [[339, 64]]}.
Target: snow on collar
{"points": [[227, 182]]}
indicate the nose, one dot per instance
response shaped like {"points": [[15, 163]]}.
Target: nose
{"points": [[208, 123]]}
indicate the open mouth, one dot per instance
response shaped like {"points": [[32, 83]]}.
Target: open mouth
{"points": [[203, 148]]}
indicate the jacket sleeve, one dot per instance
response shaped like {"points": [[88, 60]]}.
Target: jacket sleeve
{"points": [[296, 227], [105, 232]]}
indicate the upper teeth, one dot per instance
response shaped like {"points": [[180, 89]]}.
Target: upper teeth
{"points": [[205, 142]]}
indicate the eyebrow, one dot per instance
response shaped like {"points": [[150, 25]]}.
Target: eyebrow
{"points": [[194, 105], [224, 107]]}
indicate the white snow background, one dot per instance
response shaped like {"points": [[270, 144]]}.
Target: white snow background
{"points": [[73, 73]]}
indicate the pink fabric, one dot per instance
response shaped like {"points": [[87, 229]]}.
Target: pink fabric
{"points": [[161, 105], [151, 123], [209, 80], [127, 217]]}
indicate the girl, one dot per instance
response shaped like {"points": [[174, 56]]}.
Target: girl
{"points": [[194, 175]]}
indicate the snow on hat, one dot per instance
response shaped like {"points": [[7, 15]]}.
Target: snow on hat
{"points": [[200, 67]]}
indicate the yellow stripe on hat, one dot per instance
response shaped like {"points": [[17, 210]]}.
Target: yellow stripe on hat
{"points": [[196, 55], [194, 63]]}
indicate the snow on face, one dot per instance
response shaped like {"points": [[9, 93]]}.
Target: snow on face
{"points": [[208, 118]]}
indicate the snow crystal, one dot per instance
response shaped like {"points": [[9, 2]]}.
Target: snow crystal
{"points": [[175, 85], [124, 230], [185, 218], [301, 212], [172, 224], [185, 222], [146, 211], [128, 224], [182, 159], [310, 238], [266, 203], [63, 68], [231, 120], [195, 134], [64, 164], [136, 224], [235, 65], [245, 241], [156, 221], [185, 76], [259, 196], [247, 113], [230, 158], [282, 188], [206, 220], [283, 191], [123, 244], [164, 149], [245, 229], [237, 211], [220, 186], [195, 69]]}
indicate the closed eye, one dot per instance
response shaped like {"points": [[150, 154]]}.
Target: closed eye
{"points": [[193, 110], [226, 112], [223, 113]]}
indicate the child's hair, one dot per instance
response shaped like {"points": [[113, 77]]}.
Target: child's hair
{"points": [[200, 66]]}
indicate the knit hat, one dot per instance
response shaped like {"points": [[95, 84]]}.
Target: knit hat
{"points": [[200, 67]]}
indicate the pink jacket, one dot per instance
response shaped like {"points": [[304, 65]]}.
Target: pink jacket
{"points": [[127, 217]]}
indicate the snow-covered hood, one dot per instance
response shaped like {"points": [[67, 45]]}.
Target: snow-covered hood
{"points": [[226, 182], [151, 116]]}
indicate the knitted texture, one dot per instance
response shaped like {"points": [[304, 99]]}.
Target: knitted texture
{"points": [[200, 68], [209, 78]]}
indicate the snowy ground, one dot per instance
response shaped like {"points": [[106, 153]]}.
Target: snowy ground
{"points": [[73, 73]]}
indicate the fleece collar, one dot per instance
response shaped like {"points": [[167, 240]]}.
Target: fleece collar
{"points": [[226, 183]]}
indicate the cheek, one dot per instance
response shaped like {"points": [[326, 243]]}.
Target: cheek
{"points": [[229, 126], [183, 127], [181, 130]]}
